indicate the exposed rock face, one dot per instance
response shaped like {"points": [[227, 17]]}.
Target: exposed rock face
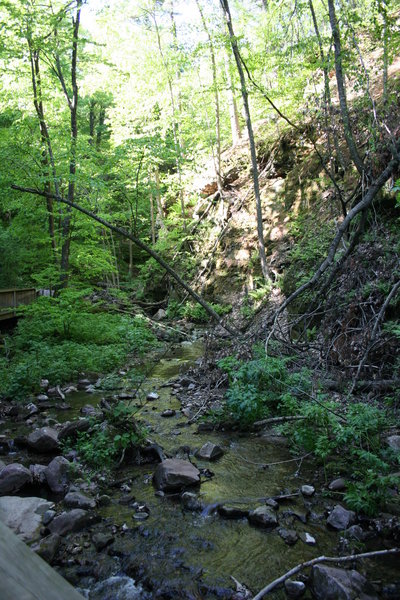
{"points": [[263, 516], [57, 475], [13, 477], [336, 584], [209, 451], [78, 500], [74, 520], [44, 439], [174, 474], [24, 515], [340, 518]]}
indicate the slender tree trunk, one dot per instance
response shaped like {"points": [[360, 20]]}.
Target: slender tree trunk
{"points": [[92, 117], [100, 127], [160, 211], [357, 160], [216, 99], [383, 10], [47, 152], [153, 227], [233, 111], [175, 124], [236, 53], [73, 106]]}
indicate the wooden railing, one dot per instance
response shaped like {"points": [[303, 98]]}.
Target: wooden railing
{"points": [[12, 298]]}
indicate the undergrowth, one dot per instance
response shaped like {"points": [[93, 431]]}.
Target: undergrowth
{"points": [[58, 338], [270, 386]]}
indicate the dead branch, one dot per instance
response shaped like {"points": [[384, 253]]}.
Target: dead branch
{"points": [[275, 420], [320, 559], [374, 332]]}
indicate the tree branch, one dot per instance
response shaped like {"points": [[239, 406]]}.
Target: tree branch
{"points": [[310, 563]]}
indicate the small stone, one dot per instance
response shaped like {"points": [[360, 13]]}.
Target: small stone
{"points": [[232, 512], [272, 503], [169, 412], [355, 532], [307, 490], [48, 516], [307, 538], [294, 589], [42, 398], [141, 516], [289, 536], [47, 547], [340, 518], [104, 500], [32, 409], [263, 516], [337, 485], [160, 315], [44, 384], [393, 442], [209, 451], [191, 502], [102, 540], [152, 396]]}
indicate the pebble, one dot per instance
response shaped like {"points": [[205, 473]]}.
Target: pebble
{"points": [[307, 538], [169, 412], [307, 490], [337, 485], [152, 396]]}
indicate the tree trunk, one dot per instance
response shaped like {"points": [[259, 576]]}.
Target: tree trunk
{"points": [[236, 53], [216, 99], [233, 111]]}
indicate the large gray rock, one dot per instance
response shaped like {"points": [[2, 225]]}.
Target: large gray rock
{"points": [[78, 500], [44, 439], [330, 583], [209, 451], [24, 515], [13, 477], [263, 516], [340, 518], [57, 475], [74, 520], [174, 474], [123, 588]]}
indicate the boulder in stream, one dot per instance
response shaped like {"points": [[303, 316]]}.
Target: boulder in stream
{"points": [[174, 474], [72, 428], [24, 515], [74, 520], [57, 475], [44, 439], [47, 547], [330, 583], [209, 451], [263, 516], [78, 500], [13, 477]]}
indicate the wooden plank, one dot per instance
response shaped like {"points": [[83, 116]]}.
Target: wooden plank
{"points": [[26, 576]]}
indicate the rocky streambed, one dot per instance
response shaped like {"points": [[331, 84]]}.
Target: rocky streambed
{"points": [[196, 514]]}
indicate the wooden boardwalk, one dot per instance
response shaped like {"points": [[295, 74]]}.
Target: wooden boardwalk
{"points": [[12, 298], [26, 576]]}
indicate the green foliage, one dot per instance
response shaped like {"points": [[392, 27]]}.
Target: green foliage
{"points": [[194, 312], [261, 386], [58, 338], [103, 444]]}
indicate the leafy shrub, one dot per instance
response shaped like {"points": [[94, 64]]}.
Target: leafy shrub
{"points": [[261, 386]]}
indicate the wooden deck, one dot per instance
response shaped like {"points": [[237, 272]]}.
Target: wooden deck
{"points": [[12, 298], [26, 576]]}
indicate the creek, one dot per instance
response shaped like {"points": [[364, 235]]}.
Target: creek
{"points": [[174, 551]]}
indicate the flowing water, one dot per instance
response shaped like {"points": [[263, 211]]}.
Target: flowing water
{"points": [[193, 554]]}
